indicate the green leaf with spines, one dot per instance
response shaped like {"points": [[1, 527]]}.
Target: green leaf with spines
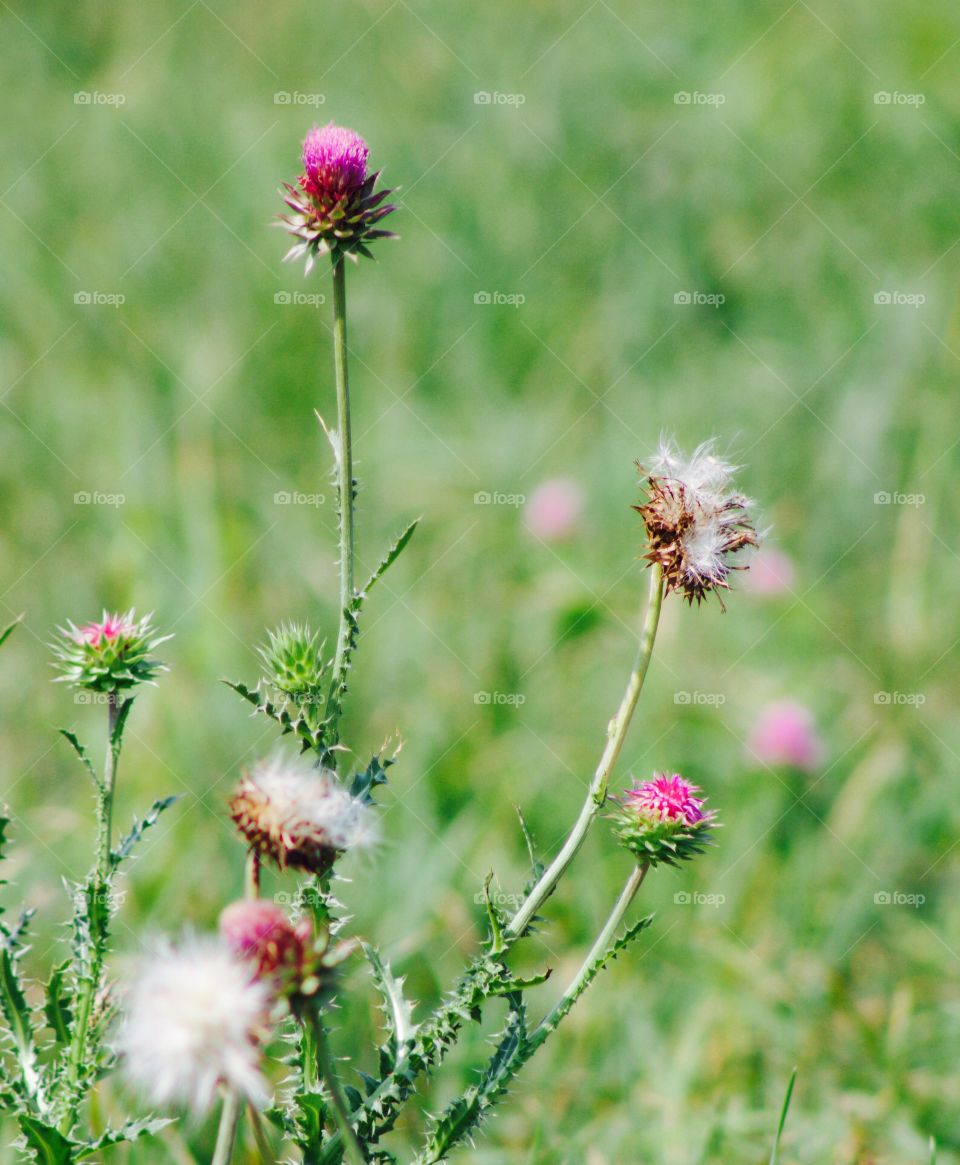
{"points": [[365, 781], [398, 1011], [57, 1007], [17, 1012], [496, 919], [127, 843], [351, 615], [81, 752], [46, 1143], [130, 1131], [311, 736]]}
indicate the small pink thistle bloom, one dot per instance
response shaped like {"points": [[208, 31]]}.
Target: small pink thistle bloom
{"points": [[334, 160], [553, 510], [785, 734], [771, 573], [110, 627], [260, 932], [669, 798]]}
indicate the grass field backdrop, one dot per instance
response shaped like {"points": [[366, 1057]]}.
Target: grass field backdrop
{"points": [[799, 159]]}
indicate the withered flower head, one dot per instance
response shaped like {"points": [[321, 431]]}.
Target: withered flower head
{"points": [[299, 816], [694, 521]]}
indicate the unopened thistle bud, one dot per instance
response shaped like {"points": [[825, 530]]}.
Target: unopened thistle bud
{"points": [[294, 663], [335, 209], [287, 955], [298, 816], [193, 1020], [663, 821], [694, 521], [111, 655]]}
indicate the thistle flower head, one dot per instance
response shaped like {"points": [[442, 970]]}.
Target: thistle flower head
{"points": [[334, 160], [334, 207], [294, 663], [663, 820], [193, 1020], [285, 954], [694, 521], [112, 654], [299, 816]]}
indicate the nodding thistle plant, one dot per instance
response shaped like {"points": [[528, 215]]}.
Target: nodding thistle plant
{"points": [[200, 1021]]}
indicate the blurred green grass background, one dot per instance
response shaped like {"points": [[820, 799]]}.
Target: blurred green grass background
{"points": [[597, 195]]}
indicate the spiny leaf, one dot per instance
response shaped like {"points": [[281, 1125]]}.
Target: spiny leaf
{"points": [[127, 844], [399, 1013], [9, 630], [536, 866], [390, 557], [495, 944], [131, 1130], [57, 1007], [81, 753], [15, 1008], [119, 724], [374, 774], [47, 1144]]}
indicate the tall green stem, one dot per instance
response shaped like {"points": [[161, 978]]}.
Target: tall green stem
{"points": [[345, 482], [227, 1131], [341, 1112], [597, 794], [597, 951], [98, 908]]}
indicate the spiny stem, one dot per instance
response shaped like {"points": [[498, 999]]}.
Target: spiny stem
{"points": [[91, 984], [597, 795], [597, 951], [328, 1072], [344, 459], [227, 1131]]}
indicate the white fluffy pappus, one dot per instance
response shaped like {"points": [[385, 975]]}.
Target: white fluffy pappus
{"points": [[192, 1020]]}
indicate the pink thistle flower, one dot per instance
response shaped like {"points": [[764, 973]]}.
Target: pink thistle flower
{"points": [[334, 160], [110, 627], [785, 734], [663, 820], [771, 573], [668, 798], [553, 510], [260, 932]]}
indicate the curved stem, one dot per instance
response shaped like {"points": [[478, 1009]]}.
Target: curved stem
{"points": [[344, 460], [227, 1131], [341, 1113], [597, 795], [597, 951]]}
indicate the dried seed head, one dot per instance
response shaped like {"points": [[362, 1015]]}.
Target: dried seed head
{"points": [[193, 1019], [694, 521], [299, 816]]}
